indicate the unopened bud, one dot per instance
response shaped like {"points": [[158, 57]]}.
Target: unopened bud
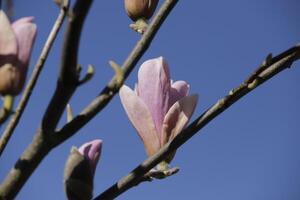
{"points": [[16, 41], [140, 9], [79, 170]]}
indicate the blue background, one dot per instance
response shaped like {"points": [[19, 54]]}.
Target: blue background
{"points": [[249, 152]]}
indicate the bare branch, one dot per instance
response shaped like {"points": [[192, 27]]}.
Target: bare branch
{"points": [[262, 74], [68, 77], [31, 83]]}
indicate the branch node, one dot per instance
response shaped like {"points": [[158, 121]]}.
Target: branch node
{"points": [[253, 84], [119, 73], [162, 174], [268, 60], [161, 171], [221, 102], [88, 76], [139, 26], [265, 64]]}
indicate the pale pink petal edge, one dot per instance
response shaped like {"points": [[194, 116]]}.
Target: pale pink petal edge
{"points": [[154, 87], [141, 119], [178, 90], [25, 32], [177, 117], [8, 41]]}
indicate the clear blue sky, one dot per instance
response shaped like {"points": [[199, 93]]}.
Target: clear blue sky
{"points": [[249, 152]]}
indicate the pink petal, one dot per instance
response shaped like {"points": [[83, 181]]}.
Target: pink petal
{"points": [[177, 117], [25, 32], [8, 42], [141, 119], [179, 89], [91, 150], [154, 88]]}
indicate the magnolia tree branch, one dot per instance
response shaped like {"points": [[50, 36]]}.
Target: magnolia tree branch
{"points": [[114, 85], [34, 77], [269, 68], [66, 85], [69, 74], [45, 139]]}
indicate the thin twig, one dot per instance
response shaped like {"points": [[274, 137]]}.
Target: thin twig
{"points": [[273, 67], [32, 82]]}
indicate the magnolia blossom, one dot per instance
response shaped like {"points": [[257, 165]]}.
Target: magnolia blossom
{"points": [[79, 170], [137, 9], [16, 41], [158, 107]]}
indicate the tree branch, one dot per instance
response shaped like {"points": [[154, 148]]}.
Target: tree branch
{"points": [[6, 135], [266, 71], [68, 77], [25, 166]]}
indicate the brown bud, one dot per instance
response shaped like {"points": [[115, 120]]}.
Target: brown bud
{"points": [[11, 79], [137, 9]]}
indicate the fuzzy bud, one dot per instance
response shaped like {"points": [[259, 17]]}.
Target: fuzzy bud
{"points": [[140, 9], [79, 170], [16, 41]]}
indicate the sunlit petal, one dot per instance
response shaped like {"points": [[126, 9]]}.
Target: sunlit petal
{"points": [[141, 119], [177, 117]]}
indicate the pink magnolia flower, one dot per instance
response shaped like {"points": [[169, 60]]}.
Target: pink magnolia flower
{"points": [[16, 41], [158, 108], [80, 169]]}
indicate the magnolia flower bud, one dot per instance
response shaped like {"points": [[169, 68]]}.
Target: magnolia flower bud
{"points": [[79, 170], [16, 41], [137, 9]]}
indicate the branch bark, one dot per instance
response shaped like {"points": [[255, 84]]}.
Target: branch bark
{"points": [[68, 78], [267, 70]]}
